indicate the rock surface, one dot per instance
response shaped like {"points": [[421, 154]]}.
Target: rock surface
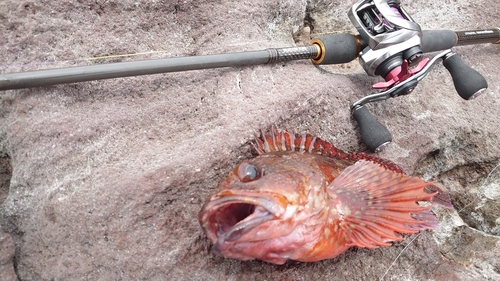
{"points": [[7, 272], [105, 178]]}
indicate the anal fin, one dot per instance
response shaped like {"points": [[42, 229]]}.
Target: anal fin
{"points": [[374, 205]]}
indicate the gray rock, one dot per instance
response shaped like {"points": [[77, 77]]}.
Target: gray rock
{"points": [[7, 272], [108, 176]]}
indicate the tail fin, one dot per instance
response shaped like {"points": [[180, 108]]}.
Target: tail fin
{"points": [[374, 204]]}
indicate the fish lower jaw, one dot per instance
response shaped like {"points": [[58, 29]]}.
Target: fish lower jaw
{"points": [[256, 218], [235, 235]]}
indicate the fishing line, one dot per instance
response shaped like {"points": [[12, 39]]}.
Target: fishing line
{"points": [[489, 174], [54, 62], [381, 278], [124, 55], [481, 186], [41, 63]]}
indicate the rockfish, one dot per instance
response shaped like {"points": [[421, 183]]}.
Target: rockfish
{"points": [[303, 199]]}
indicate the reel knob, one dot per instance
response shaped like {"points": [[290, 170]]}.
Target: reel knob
{"points": [[374, 134], [468, 82]]}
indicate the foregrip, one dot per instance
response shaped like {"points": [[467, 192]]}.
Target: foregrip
{"points": [[437, 40]]}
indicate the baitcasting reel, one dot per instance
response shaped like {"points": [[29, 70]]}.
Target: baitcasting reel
{"points": [[393, 50]]}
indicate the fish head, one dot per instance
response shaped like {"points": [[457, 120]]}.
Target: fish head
{"points": [[266, 207]]}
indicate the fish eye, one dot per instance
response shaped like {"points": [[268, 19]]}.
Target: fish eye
{"points": [[247, 172]]}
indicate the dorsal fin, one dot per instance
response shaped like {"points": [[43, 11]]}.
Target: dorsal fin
{"points": [[305, 142]]}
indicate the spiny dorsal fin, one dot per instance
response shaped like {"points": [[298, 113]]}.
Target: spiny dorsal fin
{"points": [[305, 142], [376, 204]]}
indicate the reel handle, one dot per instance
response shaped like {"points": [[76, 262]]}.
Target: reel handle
{"points": [[373, 133], [468, 82]]}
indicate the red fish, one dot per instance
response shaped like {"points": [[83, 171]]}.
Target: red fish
{"points": [[304, 199]]}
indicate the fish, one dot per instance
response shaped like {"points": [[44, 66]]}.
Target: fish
{"points": [[303, 199]]}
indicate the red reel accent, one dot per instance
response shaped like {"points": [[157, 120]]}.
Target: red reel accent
{"points": [[400, 74]]}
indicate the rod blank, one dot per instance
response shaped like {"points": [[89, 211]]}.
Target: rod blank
{"points": [[123, 69], [49, 77]]}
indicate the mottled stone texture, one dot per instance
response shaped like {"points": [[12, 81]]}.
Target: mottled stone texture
{"points": [[107, 177]]}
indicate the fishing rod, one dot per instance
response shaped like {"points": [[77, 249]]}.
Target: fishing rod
{"points": [[389, 44]]}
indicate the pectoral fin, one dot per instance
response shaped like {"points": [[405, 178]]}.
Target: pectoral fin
{"points": [[375, 205]]}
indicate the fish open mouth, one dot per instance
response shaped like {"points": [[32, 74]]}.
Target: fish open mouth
{"points": [[237, 219], [229, 215], [228, 218]]}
